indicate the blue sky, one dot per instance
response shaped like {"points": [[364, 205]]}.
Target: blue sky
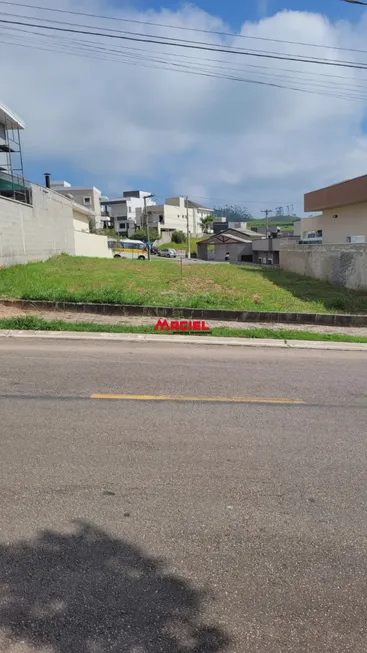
{"points": [[120, 126], [236, 12]]}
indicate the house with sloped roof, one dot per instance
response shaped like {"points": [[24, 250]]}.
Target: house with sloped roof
{"points": [[235, 242]]}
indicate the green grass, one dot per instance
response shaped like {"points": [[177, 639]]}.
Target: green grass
{"points": [[38, 324], [159, 283]]}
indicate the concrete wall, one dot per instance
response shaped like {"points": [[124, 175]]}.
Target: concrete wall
{"points": [[81, 219], [91, 245], [80, 195], [351, 221], [34, 233], [342, 265], [235, 251]]}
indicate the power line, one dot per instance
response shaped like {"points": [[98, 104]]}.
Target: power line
{"points": [[182, 28], [169, 39], [180, 67], [98, 47], [326, 62], [193, 71], [91, 46]]}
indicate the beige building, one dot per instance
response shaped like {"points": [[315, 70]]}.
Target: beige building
{"points": [[172, 216], [344, 214]]}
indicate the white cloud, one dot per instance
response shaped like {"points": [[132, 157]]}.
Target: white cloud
{"points": [[194, 134]]}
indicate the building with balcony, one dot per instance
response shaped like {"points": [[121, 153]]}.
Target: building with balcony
{"points": [[172, 216], [124, 214], [12, 183]]}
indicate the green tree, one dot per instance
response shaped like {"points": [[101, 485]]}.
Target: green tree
{"points": [[141, 234], [111, 233], [233, 213], [206, 223]]}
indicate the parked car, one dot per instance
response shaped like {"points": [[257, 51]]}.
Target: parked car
{"points": [[168, 252]]}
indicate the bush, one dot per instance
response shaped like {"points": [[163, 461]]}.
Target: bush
{"points": [[178, 237], [141, 234]]}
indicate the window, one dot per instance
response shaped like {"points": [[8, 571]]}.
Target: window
{"points": [[312, 235], [129, 209], [86, 201], [122, 225], [356, 239]]}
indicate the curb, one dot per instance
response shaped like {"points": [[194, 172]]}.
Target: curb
{"points": [[324, 319], [185, 340]]}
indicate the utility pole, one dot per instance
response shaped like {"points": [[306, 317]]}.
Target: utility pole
{"points": [[267, 211], [147, 223], [188, 229]]}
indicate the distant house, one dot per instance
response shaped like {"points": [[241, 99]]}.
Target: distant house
{"points": [[222, 224], [237, 243], [172, 216], [344, 214], [124, 214]]}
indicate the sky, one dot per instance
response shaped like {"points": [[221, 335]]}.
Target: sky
{"points": [[123, 115]]}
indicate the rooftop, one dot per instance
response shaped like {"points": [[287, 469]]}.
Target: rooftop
{"points": [[350, 191], [9, 118]]}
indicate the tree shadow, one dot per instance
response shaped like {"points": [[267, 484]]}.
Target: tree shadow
{"points": [[307, 289], [86, 592]]}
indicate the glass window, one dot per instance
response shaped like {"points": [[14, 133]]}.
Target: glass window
{"points": [[87, 201]]}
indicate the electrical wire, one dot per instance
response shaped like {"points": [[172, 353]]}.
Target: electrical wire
{"points": [[180, 67], [180, 27], [175, 43]]}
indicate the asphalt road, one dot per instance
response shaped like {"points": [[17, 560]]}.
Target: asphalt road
{"points": [[176, 526]]}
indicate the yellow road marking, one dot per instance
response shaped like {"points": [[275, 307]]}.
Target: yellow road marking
{"points": [[232, 400]]}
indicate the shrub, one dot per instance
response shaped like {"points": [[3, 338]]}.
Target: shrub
{"points": [[178, 237]]}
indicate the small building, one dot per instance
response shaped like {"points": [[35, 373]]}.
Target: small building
{"points": [[236, 243], [222, 224], [344, 214], [266, 250]]}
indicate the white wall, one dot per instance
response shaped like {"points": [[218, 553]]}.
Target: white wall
{"points": [[80, 221], [91, 245], [34, 233]]}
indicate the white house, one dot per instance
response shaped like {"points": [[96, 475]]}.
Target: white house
{"points": [[124, 213], [172, 216]]}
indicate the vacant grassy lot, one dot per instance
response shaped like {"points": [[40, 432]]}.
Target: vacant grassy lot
{"points": [[160, 283]]}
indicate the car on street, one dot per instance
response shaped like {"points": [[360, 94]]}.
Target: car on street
{"points": [[168, 252]]}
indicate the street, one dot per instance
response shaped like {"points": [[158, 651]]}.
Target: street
{"points": [[143, 510]]}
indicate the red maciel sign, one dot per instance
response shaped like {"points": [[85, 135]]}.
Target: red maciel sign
{"points": [[181, 325]]}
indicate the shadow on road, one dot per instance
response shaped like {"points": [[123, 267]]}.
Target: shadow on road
{"points": [[86, 592]]}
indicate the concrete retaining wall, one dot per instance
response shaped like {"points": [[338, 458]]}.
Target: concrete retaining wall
{"points": [[91, 245], [342, 265], [325, 319], [34, 233]]}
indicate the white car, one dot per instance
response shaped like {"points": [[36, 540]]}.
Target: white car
{"points": [[168, 252]]}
